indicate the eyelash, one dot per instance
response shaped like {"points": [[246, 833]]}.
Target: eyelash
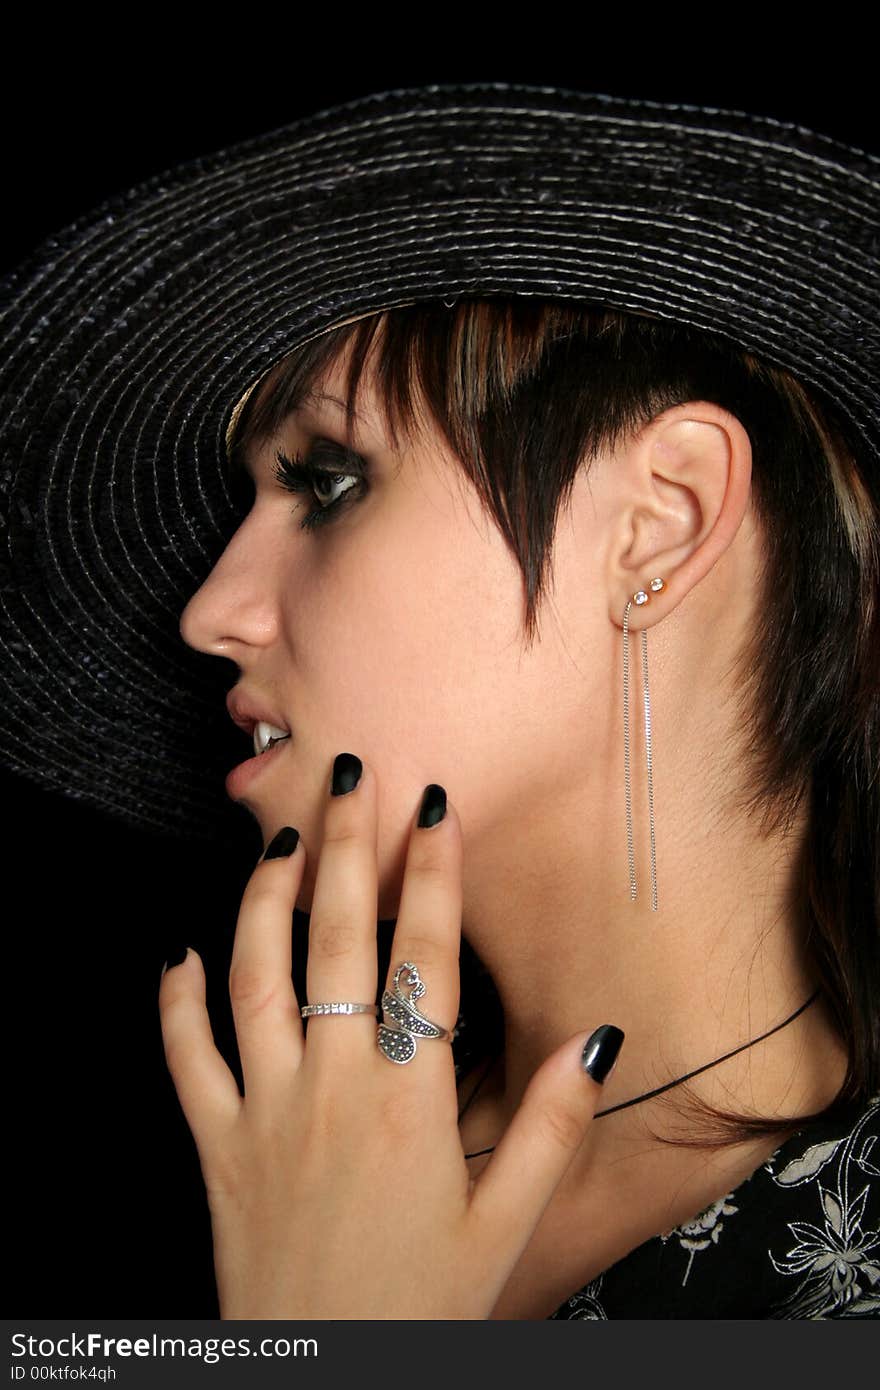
{"points": [[296, 476]]}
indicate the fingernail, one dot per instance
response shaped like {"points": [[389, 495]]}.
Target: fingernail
{"points": [[282, 844], [347, 771], [176, 956], [433, 805], [601, 1051]]}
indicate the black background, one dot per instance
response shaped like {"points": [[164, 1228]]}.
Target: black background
{"points": [[107, 1209]]}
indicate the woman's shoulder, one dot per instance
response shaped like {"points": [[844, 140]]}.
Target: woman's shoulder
{"points": [[799, 1238]]}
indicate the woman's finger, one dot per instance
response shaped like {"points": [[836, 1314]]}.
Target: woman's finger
{"points": [[207, 1090], [342, 965], [428, 929], [268, 1025], [541, 1140]]}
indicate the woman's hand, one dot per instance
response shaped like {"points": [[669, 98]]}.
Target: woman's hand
{"points": [[337, 1184]]}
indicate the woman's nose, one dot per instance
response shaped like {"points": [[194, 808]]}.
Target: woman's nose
{"points": [[237, 604]]}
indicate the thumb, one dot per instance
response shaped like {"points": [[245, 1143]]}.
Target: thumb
{"points": [[538, 1145]]}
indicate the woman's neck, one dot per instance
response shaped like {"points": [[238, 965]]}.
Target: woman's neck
{"points": [[720, 963]]}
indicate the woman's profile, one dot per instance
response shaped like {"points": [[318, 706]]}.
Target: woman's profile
{"points": [[505, 462]]}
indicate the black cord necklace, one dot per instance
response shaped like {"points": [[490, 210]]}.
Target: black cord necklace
{"points": [[656, 1092]]}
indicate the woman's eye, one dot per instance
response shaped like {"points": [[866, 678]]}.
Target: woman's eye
{"points": [[298, 476], [322, 484]]}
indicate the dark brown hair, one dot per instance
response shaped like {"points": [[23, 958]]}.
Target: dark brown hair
{"points": [[526, 392]]}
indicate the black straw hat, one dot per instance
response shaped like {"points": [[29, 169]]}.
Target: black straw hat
{"points": [[127, 339]]}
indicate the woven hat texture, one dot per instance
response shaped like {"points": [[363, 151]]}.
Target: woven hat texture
{"points": [[127, 338]]}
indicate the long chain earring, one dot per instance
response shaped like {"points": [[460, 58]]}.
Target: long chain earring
{"points": [[639, 598]]}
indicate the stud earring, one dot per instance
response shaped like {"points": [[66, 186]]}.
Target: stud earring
{"points": [[640, 597]]}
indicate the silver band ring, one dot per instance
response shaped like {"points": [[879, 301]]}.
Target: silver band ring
{"points": [[314, 1010], [397, 1038]]}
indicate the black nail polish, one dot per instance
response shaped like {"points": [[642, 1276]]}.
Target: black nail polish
{"points": [[433, 805], [176, 956], [601, 1051], [283, 844], [347, 771]]}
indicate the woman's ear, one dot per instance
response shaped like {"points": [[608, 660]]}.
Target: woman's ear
{"points": [[684, 489]]}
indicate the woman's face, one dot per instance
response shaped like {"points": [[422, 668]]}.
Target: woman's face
{"points": [[394, 631]]}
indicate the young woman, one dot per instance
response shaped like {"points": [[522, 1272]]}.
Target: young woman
{"points": [[460, 500]]}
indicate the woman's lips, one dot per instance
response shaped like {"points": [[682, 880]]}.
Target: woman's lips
{"points": [[242, 775]]}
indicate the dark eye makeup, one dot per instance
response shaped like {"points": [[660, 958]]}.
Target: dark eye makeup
{"points": [[299, 475]]}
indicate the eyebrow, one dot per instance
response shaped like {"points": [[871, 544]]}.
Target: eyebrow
{"points": [[331, 400]]}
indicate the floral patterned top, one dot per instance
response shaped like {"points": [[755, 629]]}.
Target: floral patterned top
{"points": [[799, 1238]]}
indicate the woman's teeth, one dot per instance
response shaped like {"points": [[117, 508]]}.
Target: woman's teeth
{"points": [[267, 734]]}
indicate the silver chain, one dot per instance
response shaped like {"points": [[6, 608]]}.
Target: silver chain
{"points": [[626, 765]]}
